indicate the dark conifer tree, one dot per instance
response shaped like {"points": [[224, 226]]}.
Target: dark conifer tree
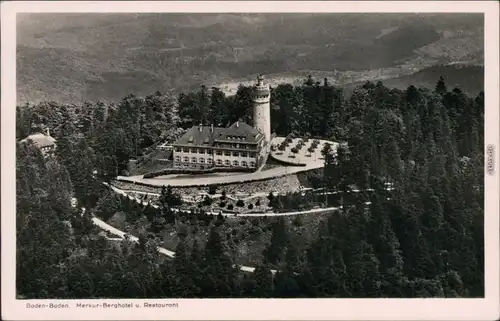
{"points": [[440, 86]]}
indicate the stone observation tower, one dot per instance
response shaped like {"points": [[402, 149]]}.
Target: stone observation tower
{"points": [[261, 108]]}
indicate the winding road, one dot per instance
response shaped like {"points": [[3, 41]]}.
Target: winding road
{"points": [[113, 230], [311, 211]]}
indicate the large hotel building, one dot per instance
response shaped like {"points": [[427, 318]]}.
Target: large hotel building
{"points": [[237, 146]]}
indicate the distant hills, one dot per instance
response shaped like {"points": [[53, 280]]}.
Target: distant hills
{"points": [[75, 57], [468, 78]]}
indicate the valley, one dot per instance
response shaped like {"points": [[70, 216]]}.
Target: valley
{"points": [[72, 58]]}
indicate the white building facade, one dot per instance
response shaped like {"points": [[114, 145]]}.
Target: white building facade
{"points": [[238, 146]]}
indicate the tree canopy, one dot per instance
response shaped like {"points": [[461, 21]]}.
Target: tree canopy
{"points": [[409, 241]]}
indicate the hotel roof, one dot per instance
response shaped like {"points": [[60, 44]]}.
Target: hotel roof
{"points": [[237, 132]]}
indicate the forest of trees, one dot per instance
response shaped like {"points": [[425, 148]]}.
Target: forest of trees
{"points": [[423, 239]]}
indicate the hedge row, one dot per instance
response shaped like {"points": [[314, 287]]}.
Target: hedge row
{"points": [[169, 171], [282, 162], [207, 185]]}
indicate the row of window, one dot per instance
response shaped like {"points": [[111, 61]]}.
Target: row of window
{"points": [[193, 150], [209, 151], [245, 146], [235, 138], [193, 160], [227, 162], [234, 154]]}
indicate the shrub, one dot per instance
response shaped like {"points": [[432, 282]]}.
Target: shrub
{"points": [[250, 206], [207, 201], [212, 189], [183, 231], [255, 230], [295, 150], [240, 203], [257, 203], [230, 207], [222, 204], [297, 221], [291, 156], [223, 196]]}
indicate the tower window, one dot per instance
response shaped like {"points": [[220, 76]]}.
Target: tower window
{"points": [[193, 159], [219, 162], [227, 162], [235, 163]]}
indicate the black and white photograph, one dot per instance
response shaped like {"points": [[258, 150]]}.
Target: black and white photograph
{"points": [[162, 156]]}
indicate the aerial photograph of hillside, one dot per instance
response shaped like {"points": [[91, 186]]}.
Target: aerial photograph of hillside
{"points": [[250, 155]]}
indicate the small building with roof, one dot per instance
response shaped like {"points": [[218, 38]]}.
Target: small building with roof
{"points": [[45, 142]]}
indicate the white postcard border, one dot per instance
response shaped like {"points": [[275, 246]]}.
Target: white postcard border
{"points": [[254, 309]]}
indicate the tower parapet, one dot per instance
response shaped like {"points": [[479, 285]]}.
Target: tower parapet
{"points": [[261, 110]]}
